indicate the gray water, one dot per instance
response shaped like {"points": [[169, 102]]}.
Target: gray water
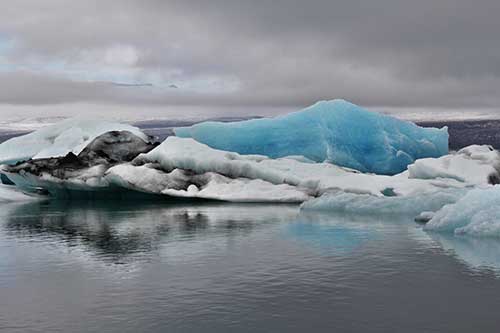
{"points": [[164, 267]]}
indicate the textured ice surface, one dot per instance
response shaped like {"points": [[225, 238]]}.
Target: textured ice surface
{"points": [[369, 204], [474, 165], [183, 167], [11, 193], [84, 171], [333, 131], [181, 183], [178, 163], [475, 214], [71, 135]]}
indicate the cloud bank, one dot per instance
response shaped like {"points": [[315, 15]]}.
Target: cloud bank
{"points": [[238, 56]]}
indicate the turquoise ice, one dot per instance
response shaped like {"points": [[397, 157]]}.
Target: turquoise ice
{"points": [[333, 131]]}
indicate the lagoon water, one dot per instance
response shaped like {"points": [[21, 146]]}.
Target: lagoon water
{"points": [[160, 266], [204, 267]]}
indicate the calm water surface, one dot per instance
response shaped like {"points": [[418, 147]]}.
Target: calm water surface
{"points": [[124, 267]]}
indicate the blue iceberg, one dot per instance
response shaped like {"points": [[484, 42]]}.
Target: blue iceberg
{"points": [[334, 131]]}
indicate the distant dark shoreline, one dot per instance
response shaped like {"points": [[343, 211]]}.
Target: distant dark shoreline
{"points": [[462, 132], [468, 132]]}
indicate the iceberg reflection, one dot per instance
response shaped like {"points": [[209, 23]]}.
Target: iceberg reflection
{"points": [[477, 253], [120, 232], [334, 234]]}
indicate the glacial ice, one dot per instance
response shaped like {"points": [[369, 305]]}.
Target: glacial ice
{"points": [[469, 165], [183, 167], [71, 135], [333, 131], [313, 179], [373, 205], [121, 160], [184, 184], [82, 172], [10, 193], [474, 214]]}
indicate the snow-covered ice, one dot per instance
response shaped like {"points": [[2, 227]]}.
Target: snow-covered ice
{"points": [[183, 167], [333, 131], [473, 165], [71, 135], [475, 214]]}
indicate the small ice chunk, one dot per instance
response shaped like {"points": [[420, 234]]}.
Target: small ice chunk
{"points": [[192, 189], [424, 217], [475, 214]]}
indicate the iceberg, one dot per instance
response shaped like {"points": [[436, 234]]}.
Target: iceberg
{"points": [[71, 135], [119, 161], [329, 131], [183, 167], [78, 172], [475, 214]]}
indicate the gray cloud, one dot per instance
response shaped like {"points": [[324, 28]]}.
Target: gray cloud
{"points": [[392, 53]]}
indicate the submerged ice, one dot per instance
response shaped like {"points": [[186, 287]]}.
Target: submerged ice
{"points": [[333, 131]]}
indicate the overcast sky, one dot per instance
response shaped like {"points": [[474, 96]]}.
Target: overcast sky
{"points": [[190, 57]]}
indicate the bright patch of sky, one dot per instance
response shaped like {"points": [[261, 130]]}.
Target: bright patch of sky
{"points": [[118, 63]]}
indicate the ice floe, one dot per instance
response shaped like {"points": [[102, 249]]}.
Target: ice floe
{"points": [[477, 213]]}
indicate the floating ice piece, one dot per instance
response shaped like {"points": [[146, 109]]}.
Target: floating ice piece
{"points": [[424, 217], [180, 162], [333, 131], [209, 185], [375, 205], [475, 214], [10, 193], [71, 135], [183, 167], [83, 172], [473, 165]]}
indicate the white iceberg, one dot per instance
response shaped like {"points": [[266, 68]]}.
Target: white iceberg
{"points": [[427, 185], [71, 135], [475, 214], [187, 168], [150, 178], [329, 131]]}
